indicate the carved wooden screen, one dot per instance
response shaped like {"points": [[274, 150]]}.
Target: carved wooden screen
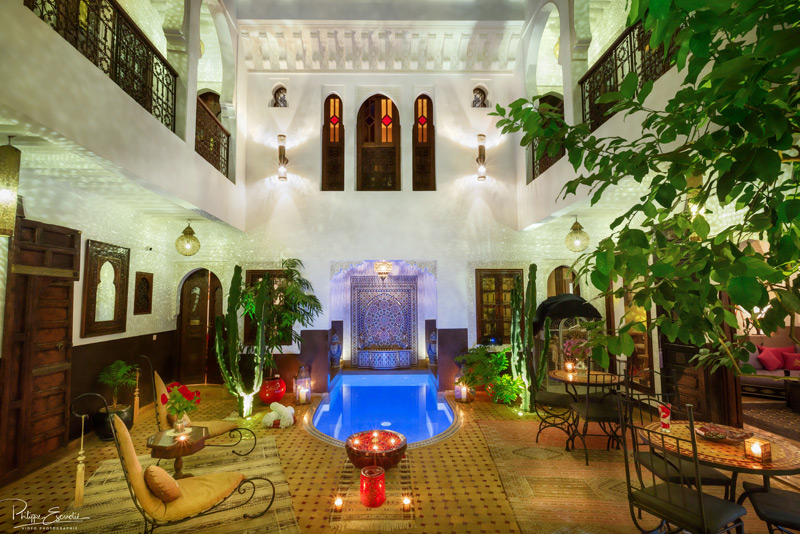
{"points": [[423, 142], [333, 145], [378, 145]]}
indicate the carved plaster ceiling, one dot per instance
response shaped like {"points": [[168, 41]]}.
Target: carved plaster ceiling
{"points": [[381, 46]]}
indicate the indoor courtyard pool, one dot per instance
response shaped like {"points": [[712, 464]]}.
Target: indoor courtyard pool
{"points": [[404, 402]]}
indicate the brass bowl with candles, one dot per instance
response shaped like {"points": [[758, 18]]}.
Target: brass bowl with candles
{"points": [[384, 448]]}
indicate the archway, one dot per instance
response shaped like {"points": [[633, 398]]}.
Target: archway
{"points": [[562, 280], [201, 301]]}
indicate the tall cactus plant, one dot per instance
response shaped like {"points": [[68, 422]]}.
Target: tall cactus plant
{"points": [[520, 350]]}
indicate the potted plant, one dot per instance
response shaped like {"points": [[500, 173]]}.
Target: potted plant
{"points": [[179, 401], [482, 367], [118, 376], [275, 304]]}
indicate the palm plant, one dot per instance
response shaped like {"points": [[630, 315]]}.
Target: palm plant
{"points": [[117, 376], [274, 304]]}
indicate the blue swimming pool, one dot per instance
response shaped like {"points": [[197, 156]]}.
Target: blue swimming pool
{"points": [[404, 402]]}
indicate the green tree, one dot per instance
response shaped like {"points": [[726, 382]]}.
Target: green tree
{"points": [[726, 140]]}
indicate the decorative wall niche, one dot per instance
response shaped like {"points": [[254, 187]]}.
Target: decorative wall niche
{"points": [[105, 289], [143, 294], [384, 313]]}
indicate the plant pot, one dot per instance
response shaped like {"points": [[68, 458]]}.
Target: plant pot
{"points": [[102, 424], [272, 390]]}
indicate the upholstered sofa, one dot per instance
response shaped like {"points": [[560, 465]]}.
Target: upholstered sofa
{"points": [[761, 384]]}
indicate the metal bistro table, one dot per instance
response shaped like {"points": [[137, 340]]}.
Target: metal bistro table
{"points": [[573, 379], [167, 444], [729, 455]]}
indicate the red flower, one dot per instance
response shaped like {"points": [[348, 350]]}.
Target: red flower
{"points": [[197, 393], [197, 400], [164, 398], [188, 395], [172, 385]]}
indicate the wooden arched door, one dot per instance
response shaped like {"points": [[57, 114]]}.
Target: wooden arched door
{"points": [[201, 303]]}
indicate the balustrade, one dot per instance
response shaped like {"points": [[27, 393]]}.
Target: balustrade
{"points": [[211, 138], [109, 38]]}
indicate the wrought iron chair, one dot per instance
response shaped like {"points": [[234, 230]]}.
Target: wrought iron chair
{"points": [[678, 505], [779, 509], [215, 428], [596, 407], [553, 410], [652, 459], [201, 495]]}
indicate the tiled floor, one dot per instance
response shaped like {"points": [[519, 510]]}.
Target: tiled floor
{"points": [[456, 483]]}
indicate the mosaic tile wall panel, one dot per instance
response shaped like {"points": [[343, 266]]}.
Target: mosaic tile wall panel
{"points": [[383, 312]]}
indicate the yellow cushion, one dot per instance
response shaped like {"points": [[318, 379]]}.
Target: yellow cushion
{"points": [[216, 428], [200, 493], [161, 410], [149, 503], [161, 484]]}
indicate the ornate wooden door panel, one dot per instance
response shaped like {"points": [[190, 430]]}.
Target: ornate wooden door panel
{"points": [[493, 307], [215, 304], [194, 328], [37, 346]]}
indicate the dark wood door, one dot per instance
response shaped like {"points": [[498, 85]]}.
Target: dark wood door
{"points": [[201, 303], [215, 304], [37, 347]]}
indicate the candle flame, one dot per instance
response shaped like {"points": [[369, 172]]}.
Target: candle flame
{"points": [[406, 501], [356, 442], [338, 502], [375, 447], [375, 434], [756, 448]]}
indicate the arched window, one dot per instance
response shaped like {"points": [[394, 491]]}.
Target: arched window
{"points": [[378, 145], [333, 145], [423, 143]]}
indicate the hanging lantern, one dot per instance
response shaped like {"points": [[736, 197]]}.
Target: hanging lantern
{"points": [[187, 244], [302, 386], [577, 240], [461, 390], [373, 486], [9, 184]]}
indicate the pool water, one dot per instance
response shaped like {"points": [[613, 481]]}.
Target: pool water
{"points": [[406, 403]]}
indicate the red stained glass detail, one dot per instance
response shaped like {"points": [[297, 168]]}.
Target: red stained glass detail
{"points": [[334, 120], [422, 120], [386, 120]]}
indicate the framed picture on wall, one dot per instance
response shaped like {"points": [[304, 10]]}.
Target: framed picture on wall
{"points": [[105, 289], [143, 294]]}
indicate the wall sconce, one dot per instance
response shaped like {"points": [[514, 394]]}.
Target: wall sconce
{"points": [[9, 185], [383, 269], [481, 160], [282, 161]]}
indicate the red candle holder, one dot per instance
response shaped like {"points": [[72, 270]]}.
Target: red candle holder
{"points": [[373, 486], [384, 448]]}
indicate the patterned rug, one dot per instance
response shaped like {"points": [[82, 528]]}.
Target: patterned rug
{"points": [[553, 491], [773, 417], [107, 501], [390, 516]]}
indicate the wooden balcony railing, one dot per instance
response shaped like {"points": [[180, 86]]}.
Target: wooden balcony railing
{"points": [[629, 53], [211, 139], [546, 161], [108, 37]]}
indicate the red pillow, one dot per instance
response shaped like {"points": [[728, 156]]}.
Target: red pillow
{"points": [[771, 358], [762, 348], [791, 361]]}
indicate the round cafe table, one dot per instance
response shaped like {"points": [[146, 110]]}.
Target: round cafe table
{"points": [[571, 380], [729, 455]]}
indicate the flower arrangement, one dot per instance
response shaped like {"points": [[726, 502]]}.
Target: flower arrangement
{"points": [[179, 400], [575, 349]]}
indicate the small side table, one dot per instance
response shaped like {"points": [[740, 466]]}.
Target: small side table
{"points": [[167, 446]]}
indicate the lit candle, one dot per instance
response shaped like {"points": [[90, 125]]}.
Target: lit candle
{"points": [[569, 366], [393, 441], [463, 392], [182, 438], [337, 504], [375, 434], [756, 450], [356, 442], [375, 447], [406, 504]]}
